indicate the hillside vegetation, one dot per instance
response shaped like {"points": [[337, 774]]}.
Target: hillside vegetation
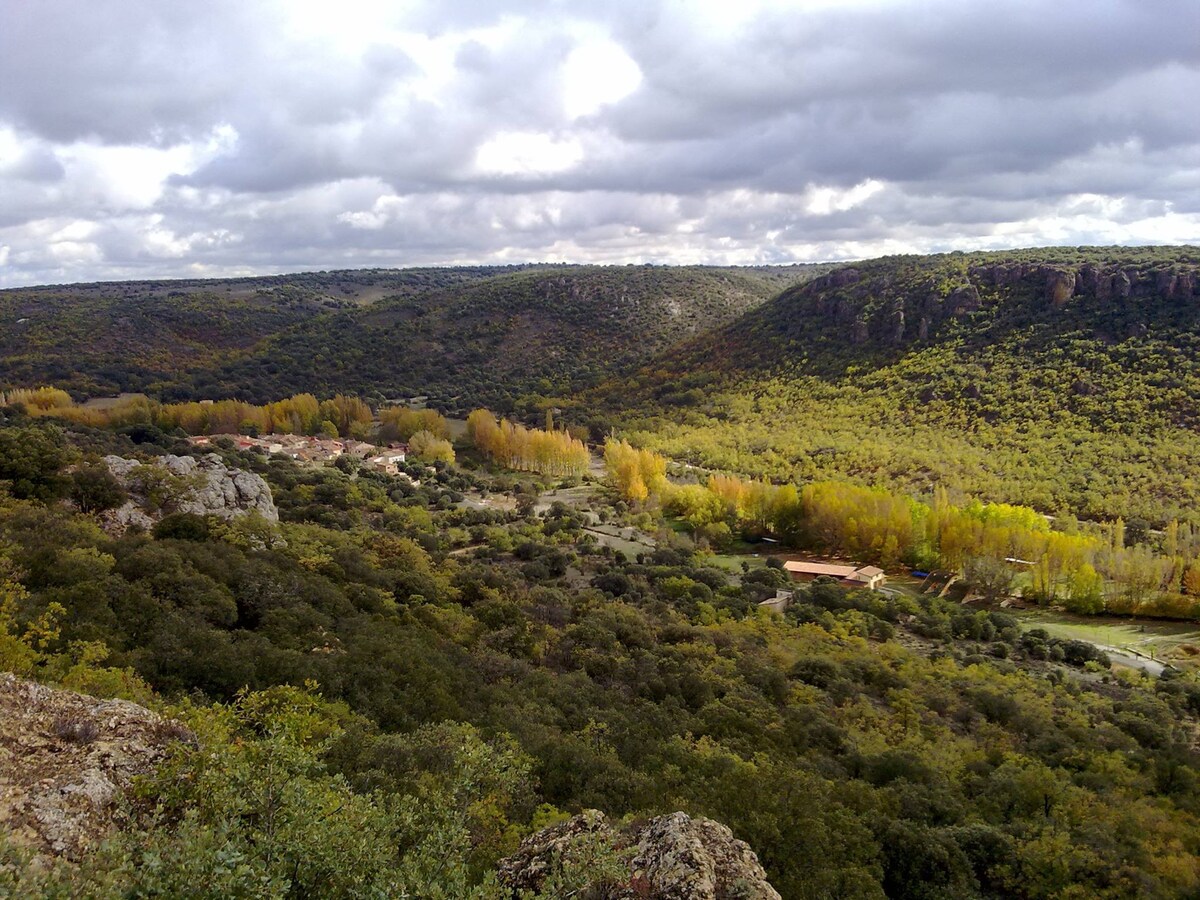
{"points": [[1068, 380], [154, 336], [488, 343], [470, 675], [467, 336]]}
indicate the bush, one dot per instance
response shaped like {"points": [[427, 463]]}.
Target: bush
{"points": [[74, 730]]}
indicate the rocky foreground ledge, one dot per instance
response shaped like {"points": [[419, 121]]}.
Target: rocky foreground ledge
{"points": [[673, 857], [66, 760]]}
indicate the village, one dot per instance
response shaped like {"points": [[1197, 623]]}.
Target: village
{"points": [[315, 450]]}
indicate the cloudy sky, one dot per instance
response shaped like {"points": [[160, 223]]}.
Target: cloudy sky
{"points": [[142, 138]]}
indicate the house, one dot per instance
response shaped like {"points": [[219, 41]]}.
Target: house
{"points": [[802, 570], [332, 449], [781, 601], [386, 462], [869, 577], [359, 449]]}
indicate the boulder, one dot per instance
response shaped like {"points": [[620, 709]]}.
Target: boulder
{"points": [[1121, 285], [1060, 286], [210, 488], [672, 857], [963, 299]]}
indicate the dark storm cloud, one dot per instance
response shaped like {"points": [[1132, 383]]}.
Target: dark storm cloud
{"points": [[140, 137]]}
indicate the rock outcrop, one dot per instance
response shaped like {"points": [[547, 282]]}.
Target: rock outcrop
{"points": [[204, 487], [1059, 283], [672, 857], [66, 761]]}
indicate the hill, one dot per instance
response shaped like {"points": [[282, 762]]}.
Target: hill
{"points": [[109, 337], [469, 335], [490, 342], [1067, 379]]}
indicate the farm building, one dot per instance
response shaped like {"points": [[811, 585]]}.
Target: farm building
{"points": [[870, 577]]}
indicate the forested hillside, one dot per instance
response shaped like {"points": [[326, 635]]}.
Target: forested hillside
{"points": [[389, 686], [1063, 379], [546, 332], [466, 336], [98, 339]]}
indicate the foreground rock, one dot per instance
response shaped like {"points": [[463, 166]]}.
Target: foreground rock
{"points": [[66, 761], [203, 487], [673, 857]]}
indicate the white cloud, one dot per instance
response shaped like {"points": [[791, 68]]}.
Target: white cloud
{"points": [[141, 138], [595, 75], [527, 153], [825, 200]]}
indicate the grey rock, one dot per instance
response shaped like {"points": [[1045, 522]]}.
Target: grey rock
{"points": [[120, 467], [673, 857], [126, 516], [181, 465], [964, 299], [1060, 286], [60, 794], [213, 489], [898, 326], [1121, 285]]}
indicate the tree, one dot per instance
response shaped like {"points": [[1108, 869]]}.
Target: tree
{"points": [[991, 576], [1085, 592], [426, 446], [95, 489], [32, 460], [1191, 579]]}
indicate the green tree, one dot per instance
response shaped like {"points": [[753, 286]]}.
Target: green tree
{"points": [[95, 489], [32, 460]]}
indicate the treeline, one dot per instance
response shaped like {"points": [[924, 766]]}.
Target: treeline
{"points": [[342, 415], [995, 547], [514, 446]]}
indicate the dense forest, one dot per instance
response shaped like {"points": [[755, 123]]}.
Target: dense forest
{"points": [[1066, 380], [466, 337], [100, 339], [461, 675]]}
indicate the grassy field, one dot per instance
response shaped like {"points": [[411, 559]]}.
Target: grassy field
{"points": [[1160, 640]]}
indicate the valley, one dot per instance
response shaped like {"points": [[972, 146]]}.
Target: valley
{"points": [[555, 580]]}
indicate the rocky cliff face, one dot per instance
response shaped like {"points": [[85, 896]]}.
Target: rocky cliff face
{"points": [[673, 857], [204, 487], [1059, 283], [66, 760], [895, 303]]}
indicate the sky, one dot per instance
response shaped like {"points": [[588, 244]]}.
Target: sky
{"points": [[146, 139]]}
